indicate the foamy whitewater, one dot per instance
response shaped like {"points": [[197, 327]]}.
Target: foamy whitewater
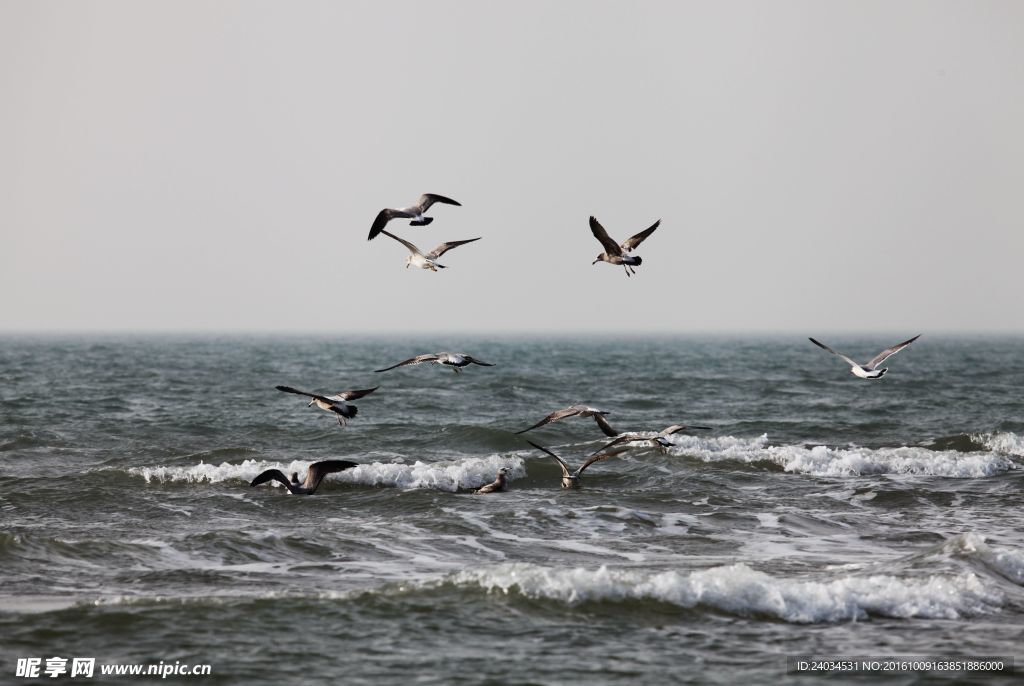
{"points": [[822, 514]]}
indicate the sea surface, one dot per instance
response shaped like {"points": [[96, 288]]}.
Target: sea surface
{"points": [[822, 515]]}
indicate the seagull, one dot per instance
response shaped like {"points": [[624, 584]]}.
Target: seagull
{"points": [[870, 370], [660, 440], [577, 411], [498, 485], [428, 261], [314, 475], [615, 253], [333, 403], [414, 212], [454, 360], [572, 479]]}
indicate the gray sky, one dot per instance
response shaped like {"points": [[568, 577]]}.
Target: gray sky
{"points": [[818, 167]]}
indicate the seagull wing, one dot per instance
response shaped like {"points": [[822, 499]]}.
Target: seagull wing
{"points": [[889, 352], [676, 428], [822, 345], [606, 428], [624, 438], [428, 199], [318, 470], [419, 359], [272, 475], [352, 395], [383, 217], [470, 358], [634, 241], [610, 246], [560, 461], [445, 247], [554, 417], [289, 389], [412, 248], [598, 457]]}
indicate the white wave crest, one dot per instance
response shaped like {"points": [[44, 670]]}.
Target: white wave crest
{"points": [[451, 475], [1007, 443], [824, 461], [739, 590], [1007, 562]]}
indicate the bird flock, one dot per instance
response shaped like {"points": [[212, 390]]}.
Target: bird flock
{"points": [[614, 253]]}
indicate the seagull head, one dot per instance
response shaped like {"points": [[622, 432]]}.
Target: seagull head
{"points": [[311, 402], [408, 261]]}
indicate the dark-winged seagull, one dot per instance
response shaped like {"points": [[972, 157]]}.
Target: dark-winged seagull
{"points": [[577, 411], [615, 253], [660, 440], [572, 479], [314, 475], [869, 370], [498, 485], [333, 403], [414, 212], [429, 260], [454, 360]]}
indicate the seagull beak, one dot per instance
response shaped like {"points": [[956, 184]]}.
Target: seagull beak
{"points": [[311, 403]]}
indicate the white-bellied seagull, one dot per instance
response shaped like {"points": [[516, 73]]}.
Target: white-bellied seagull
{"points": [[429, 260], [577, 411], [870, 369], [314, 475], [498, 485], [572, 479], [659, 440], [333, 403], [454, 360], [414, 212], [615, 253]]}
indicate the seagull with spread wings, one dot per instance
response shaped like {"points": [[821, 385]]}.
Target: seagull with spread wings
{"points": [[333, 403], [659, 440], [869, 370], [415, 212], [577, 411], [572, 479], [454, 360], [615, 253], [429, 260], [314, 475]]}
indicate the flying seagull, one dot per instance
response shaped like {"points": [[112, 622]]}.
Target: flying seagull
{"points": [[454, 360], [415, 212], [498, 485], [333, 403], [428, 261], [660, 440], [870, 370], [615, 253], [314, 475], [572, 479], [577, 411]]}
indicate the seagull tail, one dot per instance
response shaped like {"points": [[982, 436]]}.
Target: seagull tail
{"points": [[421, 222]]}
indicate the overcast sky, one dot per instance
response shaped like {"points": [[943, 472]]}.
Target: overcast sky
{"points": [[215, 166]]}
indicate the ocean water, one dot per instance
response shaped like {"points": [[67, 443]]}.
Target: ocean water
{"points": [[822, 514]]}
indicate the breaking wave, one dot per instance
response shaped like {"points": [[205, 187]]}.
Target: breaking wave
{"points": [[450, 475], [737, 589], [852, 461]]}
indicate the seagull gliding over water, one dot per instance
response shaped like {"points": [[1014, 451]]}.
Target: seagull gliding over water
{"points": [[577, 411], [572, 479], [454, 360], [428, 261], [333, 403], [870, 370]]}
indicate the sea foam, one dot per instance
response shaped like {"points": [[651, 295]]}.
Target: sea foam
{"points": [[852, 461]]}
